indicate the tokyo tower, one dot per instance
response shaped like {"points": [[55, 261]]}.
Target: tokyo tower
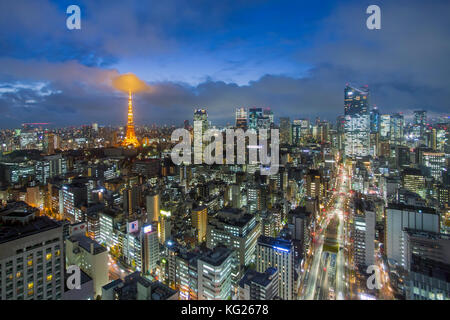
{"points": [[130, 140]]}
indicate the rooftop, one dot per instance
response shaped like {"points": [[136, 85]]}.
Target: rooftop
{"points": [[12, 232]]}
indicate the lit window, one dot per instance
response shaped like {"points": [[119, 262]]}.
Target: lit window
{"points": [[18, 274], [30, 263], [58, 253], [30, 285], [48, 256], [49, 277], [30, 292]]}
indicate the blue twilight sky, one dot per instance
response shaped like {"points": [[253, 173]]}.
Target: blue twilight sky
{"points": [[292, 56]]}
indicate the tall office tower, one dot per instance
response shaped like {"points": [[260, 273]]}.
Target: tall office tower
{"points": [[374, 120], [305, 128], [31, 256], [364, 234], [259, 286], [385, 126], [300, 222], [131, 199], [149, 248], [399, 217], [357, 121], [414, 181], [268, 115], [255, 198], [435, 162], [164, 226], [88, 255], [277, 253], [153, 205], [442, 140], [296, 132], [49, 167], [199, 222], [73, 195], [236, 230], [433, 143], [356, 101], [130, 138], [214, 274], [420, 120], [201, 116], [49, 143], [403, 156], [315, 185], [236, 197], [285, 131], [397, 126], [254, 115], [427, 257], [241, 118]]}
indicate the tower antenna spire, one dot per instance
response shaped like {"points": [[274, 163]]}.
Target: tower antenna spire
{"points": [[130, 139]]}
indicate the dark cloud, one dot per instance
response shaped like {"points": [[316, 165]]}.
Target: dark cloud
{"points": [[69, 75]]}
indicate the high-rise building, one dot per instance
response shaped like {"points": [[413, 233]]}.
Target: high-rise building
{"points": [[356, 100], [285, 131], [427, 257], [199, 220], [236, 230], [396, 129], [254, 114], [374, 120], [88, 255], [385, 126], [314, 185], [73, 195], [259, 286], [200, 127], [357, 121], [153, 204], [268, 116], [420, 120], [164, 226], [277, 253], [131, 197], [214, 274], [149, 248], [31, 256], [435, 162], [296, 132], [364, 234], [414, 181], [399, 217], [241, 118]]}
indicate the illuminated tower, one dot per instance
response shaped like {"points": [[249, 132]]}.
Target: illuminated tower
{"points": [[130, 139]]}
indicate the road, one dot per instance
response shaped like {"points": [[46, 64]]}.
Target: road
{"points": [[115, 270], [316, 282]]}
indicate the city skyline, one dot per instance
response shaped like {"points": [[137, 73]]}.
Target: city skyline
{"points": [[242, 55], [252, 152]]}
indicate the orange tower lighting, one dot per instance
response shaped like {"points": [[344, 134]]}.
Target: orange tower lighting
{"points": [[130, 139]]}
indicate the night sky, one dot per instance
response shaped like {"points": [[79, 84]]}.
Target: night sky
{"points": [[292, 56]]}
